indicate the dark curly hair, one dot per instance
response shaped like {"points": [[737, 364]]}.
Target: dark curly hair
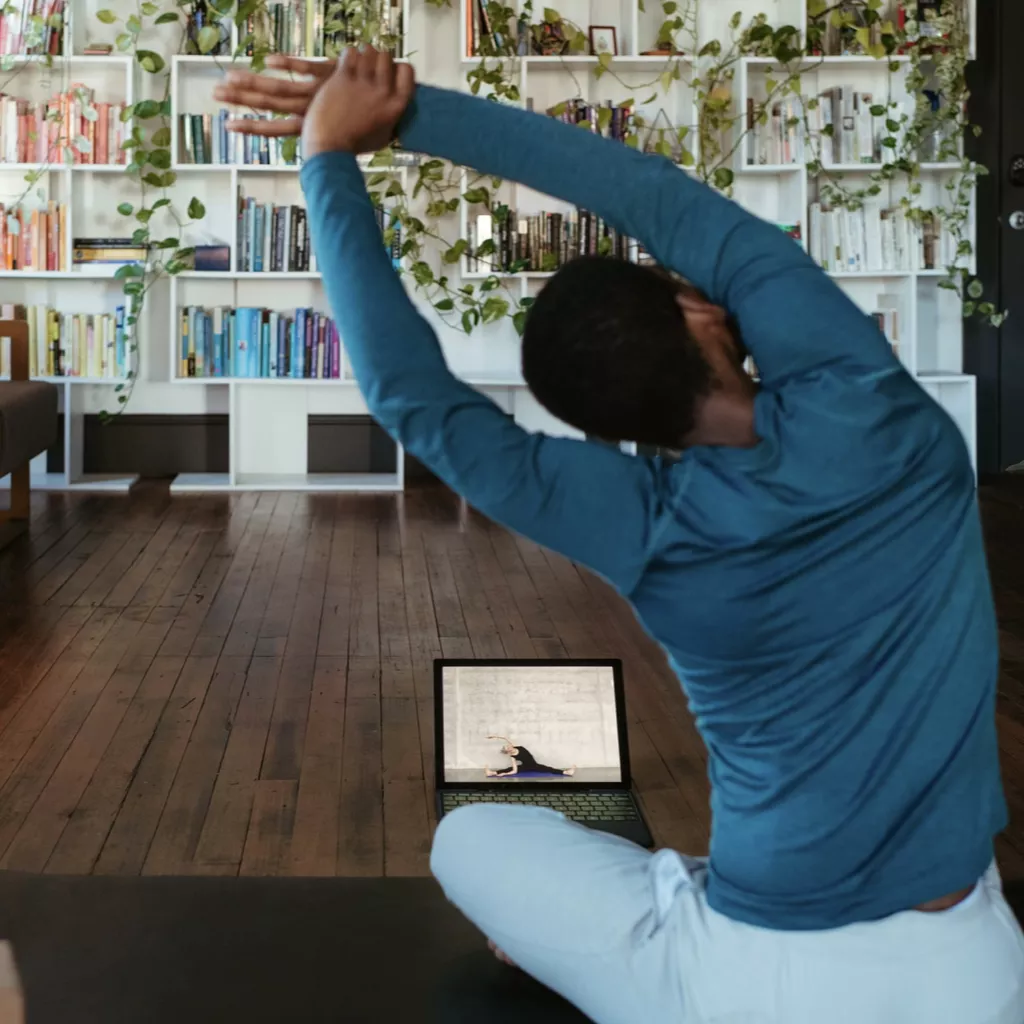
{"points": [[606, 349]]}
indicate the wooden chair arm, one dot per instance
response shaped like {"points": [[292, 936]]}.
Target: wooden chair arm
{"points": [[17, 331]]}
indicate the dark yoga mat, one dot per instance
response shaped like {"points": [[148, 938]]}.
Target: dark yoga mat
{"points": [[280, 951]]}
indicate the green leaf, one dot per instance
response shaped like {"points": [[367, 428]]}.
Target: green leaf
{"points": [[486, 248], [124, 41], [723, 177], [106, 16], [477, 195], [150, 61], [495, 308], [125, 209], [160, 158], [670, 6], [975, 289], [444, 306], [422, 274], [290, 149], [452, 255], [149, 9], [551, 16], [156, 180], [467, 322], [519, 322], [604, 118], [196, 210], [128, 270], [986, 309], [968, 309], [162, 137], [133, 24], [816, 8], [208, 38], [147, 109], [167, 18]]}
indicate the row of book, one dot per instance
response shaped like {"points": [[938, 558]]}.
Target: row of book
{"points": [[34, 240], [504, 241], [32, 28], [481, 37], [84, 345], [320, 28], [258, 343], [875, 239], [276, 238], [840, 37], [69, 123], [608, 119], [205, 139]]}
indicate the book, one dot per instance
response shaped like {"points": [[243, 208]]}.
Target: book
{"points": [[258, 343], [89, 345], [33, 239], [205, 139], [32, 28]]}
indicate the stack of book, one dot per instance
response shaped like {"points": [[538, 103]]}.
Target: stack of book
{"points": [[116, 252], [71, 122], [276, 238], [617, 123], [32, 28], [317, 28], [205, 139], [780, 138], [505, 241], [875, 239], [258, 343], [71, 344], [202, 15], [38, 239]]}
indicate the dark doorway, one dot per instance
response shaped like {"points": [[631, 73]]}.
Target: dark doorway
{"points": [[996, 356]]}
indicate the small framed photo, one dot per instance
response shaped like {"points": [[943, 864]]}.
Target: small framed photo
{"points": [[604, 39]]}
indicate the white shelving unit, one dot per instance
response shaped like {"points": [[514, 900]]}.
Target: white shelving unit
{"points": [[930, 317], [266, 452], [91, 290]]}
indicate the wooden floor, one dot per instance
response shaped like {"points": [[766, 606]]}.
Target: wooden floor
{"points": [[242, 684]]}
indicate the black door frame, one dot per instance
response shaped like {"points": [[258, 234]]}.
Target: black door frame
{"points": [[996, 356]]}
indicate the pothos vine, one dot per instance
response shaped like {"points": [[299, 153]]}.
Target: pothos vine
{"points": [[706, 149]]}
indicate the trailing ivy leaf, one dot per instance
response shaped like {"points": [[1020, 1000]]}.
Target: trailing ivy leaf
{"points": [[376, 179], [146, 109], [878, 110], [975, 289], [686, 158], [289, 149], [156, 180], [124, 41], [670, 6], [167, 18], [486, 248], [816, 8], [160, 158], [467, 322], [495, 308], [106, 16], [490, 284], [723, 177], [196, 210], [968, 309], [127, 271], [150, 61], [604, 118], [125, 209], [551, 16], [168, 243], [452, 255], [519, 322], [421, 273], [162, 137], [208, 38], [986, 309], [144, 216], [133, 24], [444, 306]]}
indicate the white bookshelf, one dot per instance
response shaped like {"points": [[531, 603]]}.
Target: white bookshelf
{"points": [[269, 418], [931, 325], [91, 290]]}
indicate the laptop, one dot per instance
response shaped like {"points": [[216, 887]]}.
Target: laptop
{"points": [[541, 733]]}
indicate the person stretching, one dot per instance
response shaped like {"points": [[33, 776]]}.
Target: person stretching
{"points": [[523, 762], [812, 563]]}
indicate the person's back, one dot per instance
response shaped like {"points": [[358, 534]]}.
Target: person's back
{"points": [[826, 601], [813, 564]]}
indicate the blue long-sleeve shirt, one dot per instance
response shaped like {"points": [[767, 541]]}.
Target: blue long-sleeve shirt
{"points": [[824, 596]]}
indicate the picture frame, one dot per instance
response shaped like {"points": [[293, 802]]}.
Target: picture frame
{"points": [[603, 39]]}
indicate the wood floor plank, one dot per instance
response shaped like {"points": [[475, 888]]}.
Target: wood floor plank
{"points": [[406, 826], [317, 824], [267, 837], [361, 833], [336, 617], [163, 774], [364, 639], [222, 839], [287, 731], [89, 824]]}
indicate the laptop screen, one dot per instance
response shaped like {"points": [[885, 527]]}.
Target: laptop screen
{"points": [[507, 724]]}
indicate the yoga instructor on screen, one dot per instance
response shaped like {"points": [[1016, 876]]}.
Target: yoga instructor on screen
{"points": [[523, 762]]}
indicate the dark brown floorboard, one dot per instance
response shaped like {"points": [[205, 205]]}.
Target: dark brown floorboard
{"points": [[243, 684]]}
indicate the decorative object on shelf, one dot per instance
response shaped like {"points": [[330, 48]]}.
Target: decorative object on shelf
{"points": [[603, 39], [212, 258], [549, 39], [98, 49]]}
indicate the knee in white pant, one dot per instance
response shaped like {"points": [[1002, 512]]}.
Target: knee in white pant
{"points": [[460, 837]]}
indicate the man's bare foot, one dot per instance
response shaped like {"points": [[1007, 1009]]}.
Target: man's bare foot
{"points": [[489, 773], [570, 771], [501, 956]]}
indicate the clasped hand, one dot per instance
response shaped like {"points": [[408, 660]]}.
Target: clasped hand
{"points": [[352, 105]]}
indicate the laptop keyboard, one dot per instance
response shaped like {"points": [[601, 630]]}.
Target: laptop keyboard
{"points": [[582, 807]]}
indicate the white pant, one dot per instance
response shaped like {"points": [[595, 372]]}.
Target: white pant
{"points": [[628, 937]]}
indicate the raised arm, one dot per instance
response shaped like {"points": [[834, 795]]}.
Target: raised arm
{"points": [[539, 486], [792, 317]]}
